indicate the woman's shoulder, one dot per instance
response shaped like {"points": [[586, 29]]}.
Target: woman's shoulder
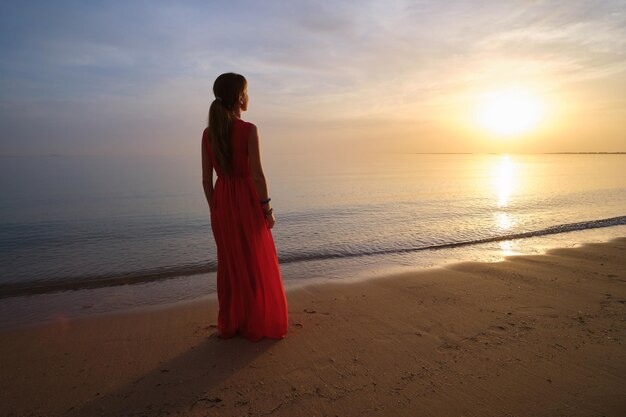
{"points": [[247, 129], [247, 124]]}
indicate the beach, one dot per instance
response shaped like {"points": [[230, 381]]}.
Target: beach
{"points": [[534, 335], [438, 186]]}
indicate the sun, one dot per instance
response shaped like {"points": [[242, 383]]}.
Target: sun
{"points": [[509, 112]]}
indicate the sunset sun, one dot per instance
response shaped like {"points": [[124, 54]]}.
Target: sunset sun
{"points": [[509, 112]]}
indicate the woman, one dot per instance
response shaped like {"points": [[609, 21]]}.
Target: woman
{"points": [[250, 291]]}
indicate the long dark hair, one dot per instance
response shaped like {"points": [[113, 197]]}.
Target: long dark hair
{"points": [[227, 88]]}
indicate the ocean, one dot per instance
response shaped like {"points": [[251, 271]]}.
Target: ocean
{"points": [[92, 234]]}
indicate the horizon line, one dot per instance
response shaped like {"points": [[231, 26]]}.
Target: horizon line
{"points": [[308, 153]]}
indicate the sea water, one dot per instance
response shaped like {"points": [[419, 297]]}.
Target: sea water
{"points": [[88, 234]]}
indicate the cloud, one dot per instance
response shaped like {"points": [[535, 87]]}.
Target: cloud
{"points": [[107, 64]]}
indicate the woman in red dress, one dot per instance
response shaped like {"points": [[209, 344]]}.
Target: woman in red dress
{"points": [[250, 291]]}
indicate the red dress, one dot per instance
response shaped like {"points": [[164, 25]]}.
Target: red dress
{"points": [[250, 291]]}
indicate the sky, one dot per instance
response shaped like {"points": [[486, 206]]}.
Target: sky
{"points": [[135, 77]]}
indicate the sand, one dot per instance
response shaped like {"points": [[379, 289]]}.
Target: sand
{"points": [[536, 335]]}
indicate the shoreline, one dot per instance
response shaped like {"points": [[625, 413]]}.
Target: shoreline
{"points": [[146, 276], [38, 309], [537, 335]]}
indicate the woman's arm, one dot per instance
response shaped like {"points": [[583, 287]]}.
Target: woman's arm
{"points": [[207, 174], [256, 170]]}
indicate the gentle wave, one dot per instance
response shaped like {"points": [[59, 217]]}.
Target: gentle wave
{"points": [[157, 274]]}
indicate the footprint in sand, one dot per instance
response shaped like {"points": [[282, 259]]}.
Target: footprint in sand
{"points": [[545, 311]]}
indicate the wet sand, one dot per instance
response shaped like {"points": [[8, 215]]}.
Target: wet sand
{"points": [[531, 336]]}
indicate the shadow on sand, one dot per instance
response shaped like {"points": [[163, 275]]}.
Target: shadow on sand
{"points": [[181, 386]]}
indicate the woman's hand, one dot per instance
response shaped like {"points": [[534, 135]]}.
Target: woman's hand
{"points": [[269, 218]]}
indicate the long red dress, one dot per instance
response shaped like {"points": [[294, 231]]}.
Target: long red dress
{"points": [[250, 291]]}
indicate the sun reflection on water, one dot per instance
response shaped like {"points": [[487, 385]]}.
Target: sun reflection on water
{"points": [[504, 222], [504, 181], [504, 185], [506, 246]]}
